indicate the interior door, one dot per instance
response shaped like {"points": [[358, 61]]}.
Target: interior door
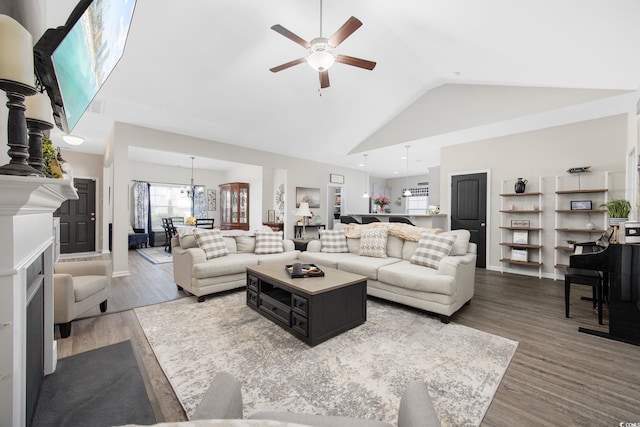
{"points": [[78, 219], [469, 210]]}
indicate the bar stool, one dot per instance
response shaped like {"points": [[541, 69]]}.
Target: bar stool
{"points": [[592, 278]]}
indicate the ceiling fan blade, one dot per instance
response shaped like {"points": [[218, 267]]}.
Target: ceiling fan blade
{"points": [[355, 62], [288, 34], [345, 31], [288, 65], [324, 79]]}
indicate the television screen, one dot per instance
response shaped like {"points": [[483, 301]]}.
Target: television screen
{"points": [[73, 61]]}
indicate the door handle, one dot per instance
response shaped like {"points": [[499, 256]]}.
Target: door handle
{"points": [[93, 219], [482, 224]]}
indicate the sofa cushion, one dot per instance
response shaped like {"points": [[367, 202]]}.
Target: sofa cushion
{"points": [[246, 243], [394, 246], [211, 242], [230, 242], [432, 248], [188, 242], [461, 245], [365, 266], [373, 243], [353, 245], [224, 266], [333, 241], [268, 242], [417, 278], [324, 259]]}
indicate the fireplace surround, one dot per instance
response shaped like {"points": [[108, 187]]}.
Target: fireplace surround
{"points": [[26, 281]]}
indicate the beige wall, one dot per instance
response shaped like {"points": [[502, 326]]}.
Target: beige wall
{"points": [[544, 153]]}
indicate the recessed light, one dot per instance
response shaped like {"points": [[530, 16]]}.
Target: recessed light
{"points": [[72, 139]]}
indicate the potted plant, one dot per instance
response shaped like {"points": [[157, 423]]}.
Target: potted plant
{"points": [[618, 210]]}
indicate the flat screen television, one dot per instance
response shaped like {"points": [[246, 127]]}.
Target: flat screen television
{"points": [[73, 61]]}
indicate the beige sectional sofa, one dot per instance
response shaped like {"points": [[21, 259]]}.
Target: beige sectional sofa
{"points": [[196, 274], [442, 290]]}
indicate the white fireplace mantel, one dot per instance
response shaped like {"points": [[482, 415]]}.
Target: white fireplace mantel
{"points": [[26, 233]]}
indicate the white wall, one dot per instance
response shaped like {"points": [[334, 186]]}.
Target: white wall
{"points": [[549, 152]]}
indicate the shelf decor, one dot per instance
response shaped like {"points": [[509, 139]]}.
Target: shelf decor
{"points": [[581, 205], [521, 237], [336, 179], [520, 223], [519, 255]]}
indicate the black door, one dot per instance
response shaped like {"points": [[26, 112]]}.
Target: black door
{"points": [[469, 210], [78, 219]]}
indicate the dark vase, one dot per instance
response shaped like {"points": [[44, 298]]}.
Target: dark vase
{"points": [[520, 185]]}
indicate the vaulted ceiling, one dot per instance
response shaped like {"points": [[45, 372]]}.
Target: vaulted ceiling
{"points": [[447, 72]]}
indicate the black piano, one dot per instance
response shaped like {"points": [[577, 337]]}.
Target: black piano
{"points": [[621, 267]]}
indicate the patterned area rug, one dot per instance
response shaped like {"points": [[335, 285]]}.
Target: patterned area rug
{"points": [[360, 373], [155, 255]]}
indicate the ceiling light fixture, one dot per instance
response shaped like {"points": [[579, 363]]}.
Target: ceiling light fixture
{"points": [[73, 139], [365, 195], [407, 192], [190, 192]]}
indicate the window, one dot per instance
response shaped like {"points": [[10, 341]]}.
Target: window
{"points": [[417, 204], [166, 200]]}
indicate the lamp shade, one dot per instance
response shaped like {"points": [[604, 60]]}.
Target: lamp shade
{"points": [[16, 52], [39, 108], [303, 210]]}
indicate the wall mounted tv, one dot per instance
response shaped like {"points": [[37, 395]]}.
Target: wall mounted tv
{"points": [[73, 61]]}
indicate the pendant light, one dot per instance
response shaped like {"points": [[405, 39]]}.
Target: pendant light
{"points": [[407, 192], [189, 191], [365, 195]]}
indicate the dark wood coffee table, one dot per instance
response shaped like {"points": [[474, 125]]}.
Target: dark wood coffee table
{"points": [[313, 309]]}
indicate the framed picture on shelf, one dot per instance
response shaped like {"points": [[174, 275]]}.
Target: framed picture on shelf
{"points": [[519, 255], [581, 205], [520, 223], [271, 216], [521, 237]]}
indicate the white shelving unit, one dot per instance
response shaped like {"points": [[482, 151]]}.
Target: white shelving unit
{"points": [[521, 226], [578, 225]]}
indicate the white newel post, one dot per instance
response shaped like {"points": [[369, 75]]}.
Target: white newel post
{"points": [[26, 235]]}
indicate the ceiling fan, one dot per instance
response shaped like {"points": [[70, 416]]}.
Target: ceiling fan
{"points": [[321, 50]]}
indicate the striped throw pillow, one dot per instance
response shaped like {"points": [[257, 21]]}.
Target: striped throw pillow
{"points": [[373, 242], [268, 242], [211, 242], [333, 241], [432, 248]]}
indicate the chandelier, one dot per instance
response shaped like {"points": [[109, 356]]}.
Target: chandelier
{"points": [[191, 191]]}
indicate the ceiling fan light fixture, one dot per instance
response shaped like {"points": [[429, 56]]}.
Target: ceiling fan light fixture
{"points": [[321, 58]]}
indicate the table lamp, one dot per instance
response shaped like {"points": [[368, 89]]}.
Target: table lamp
{"points": [[304, 212]]}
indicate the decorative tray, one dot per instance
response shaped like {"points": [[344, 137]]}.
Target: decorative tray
{"points": [[308, 270]]}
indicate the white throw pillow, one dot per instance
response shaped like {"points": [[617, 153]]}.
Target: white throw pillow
{"points": [[211, 242], [373, 242], [333, 241], [268, 242], [432, 248]]}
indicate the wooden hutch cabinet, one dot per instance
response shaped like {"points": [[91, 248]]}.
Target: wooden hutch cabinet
{"points": [[234, 206]]}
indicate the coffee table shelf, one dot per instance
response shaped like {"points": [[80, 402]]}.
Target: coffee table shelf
{"points": [[313, 309]]}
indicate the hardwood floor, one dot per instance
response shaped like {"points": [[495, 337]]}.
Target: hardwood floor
{"points": [[557, 377]]}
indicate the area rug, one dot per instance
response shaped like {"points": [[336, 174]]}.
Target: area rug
{"points": [[360, 373], [102, 387], [155, 255]]}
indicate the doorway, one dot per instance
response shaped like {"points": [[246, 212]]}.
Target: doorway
{"points": [[469, 210], [78, 219], [335, 204]]}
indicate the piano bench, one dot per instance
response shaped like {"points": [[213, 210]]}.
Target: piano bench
{"points": [[591, 278]]}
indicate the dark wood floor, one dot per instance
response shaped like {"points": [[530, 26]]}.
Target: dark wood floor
{"points": [[558, 376]]}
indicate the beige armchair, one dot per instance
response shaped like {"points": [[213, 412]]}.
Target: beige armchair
{"points": [[79, 286]]}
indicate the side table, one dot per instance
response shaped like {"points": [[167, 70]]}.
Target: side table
{"points": [[301, 244], [297, 229]]}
